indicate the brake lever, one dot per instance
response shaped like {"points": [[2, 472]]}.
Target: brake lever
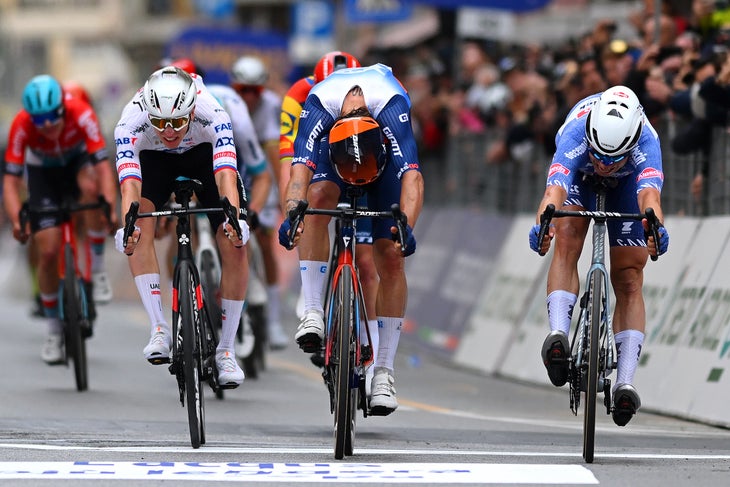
{"points": [[295, 216], [545, 219], [129, 220]]}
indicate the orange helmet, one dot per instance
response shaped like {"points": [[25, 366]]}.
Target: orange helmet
{"points": [[71, 89], [356, 149], [331, 62]]}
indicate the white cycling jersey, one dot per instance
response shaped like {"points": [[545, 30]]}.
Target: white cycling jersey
{"points": [[211, 124], [251, 158]]}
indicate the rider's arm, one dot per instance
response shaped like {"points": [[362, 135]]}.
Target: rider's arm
{"points": [[651, 198], [108, 187], [411, 195], [296, 190], [131, 189], [554, 195], [12, 186]]}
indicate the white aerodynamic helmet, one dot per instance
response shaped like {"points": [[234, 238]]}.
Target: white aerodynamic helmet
{"points": [[249, 70], [169, 92], [614, 124]]}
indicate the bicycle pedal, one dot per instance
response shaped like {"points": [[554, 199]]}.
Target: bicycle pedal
{"points": [[230, 385], [310, 343]]}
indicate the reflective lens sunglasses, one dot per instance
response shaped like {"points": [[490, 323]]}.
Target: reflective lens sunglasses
{"points": [[607, 160], [54, 116], [177, 124]]}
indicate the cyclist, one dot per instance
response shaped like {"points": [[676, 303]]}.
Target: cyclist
{"points": [[58, 143], [174, 127], [291, 110], [605, 135], [348, 138], [248, 79]]}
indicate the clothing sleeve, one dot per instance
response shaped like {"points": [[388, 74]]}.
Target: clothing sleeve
{"points": [[17, 144], [314, 123], [395, 122]]}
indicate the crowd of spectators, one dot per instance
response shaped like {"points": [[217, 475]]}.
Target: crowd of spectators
{"points": [[523, 93]]}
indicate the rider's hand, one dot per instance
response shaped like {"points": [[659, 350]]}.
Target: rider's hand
{"points": [[545, 244], [410, 246], [20, 234], [284, 230], [663, 239], [230, 232], [131, 241]]}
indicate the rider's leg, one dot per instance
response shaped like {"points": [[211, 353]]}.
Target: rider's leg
{"points": [[562, 294], [629, 318], [48, 243], [234, 282], [314, 248], [96, 232]]}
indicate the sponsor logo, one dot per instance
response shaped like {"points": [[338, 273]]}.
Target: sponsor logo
{"points": [[224, 154], [127, 165], [403, 117], [650, 172], [125, 141], [223, 141], [556, 168], [313, 135], [223, 126], [393, 142], [125, 154]]}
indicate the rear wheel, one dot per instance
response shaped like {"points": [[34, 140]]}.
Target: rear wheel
{"points": [[256, 361], [595, 307], [73, 314], [191, 359], [345, 403]]}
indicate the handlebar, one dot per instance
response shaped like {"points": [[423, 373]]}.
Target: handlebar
{"points": [[296, 216], [65, 210], [226, 208], [550, 212]]}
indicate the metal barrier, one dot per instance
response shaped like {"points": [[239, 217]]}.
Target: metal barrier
{"points": [[517, 185]]}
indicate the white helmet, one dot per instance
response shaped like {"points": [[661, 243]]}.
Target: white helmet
{"points": [[614, 124], [169, 92], [249, 70]]}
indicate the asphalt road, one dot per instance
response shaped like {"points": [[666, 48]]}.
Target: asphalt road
{"points": [[453, 426]]}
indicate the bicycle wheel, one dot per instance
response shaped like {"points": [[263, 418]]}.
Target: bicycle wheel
{"points": [[595, 305], [256, 361], [192, 367], [212, 315], [342, 357], [73, 316]]}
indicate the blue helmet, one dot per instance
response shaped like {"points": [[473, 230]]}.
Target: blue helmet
{"points": [[42, 94]]}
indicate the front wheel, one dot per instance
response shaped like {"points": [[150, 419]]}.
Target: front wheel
{"points": [[343, 359], [75, 320], [595, 308], [192, 366]]}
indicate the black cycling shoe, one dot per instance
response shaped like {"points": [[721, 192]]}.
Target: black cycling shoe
{"points": [[555, 357], [625, 404]]}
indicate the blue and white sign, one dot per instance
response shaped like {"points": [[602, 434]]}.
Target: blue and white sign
{"points": [[217, 9], [377, 10], [313, 32]]}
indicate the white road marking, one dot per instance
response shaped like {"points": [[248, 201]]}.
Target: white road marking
{"points": [[358, 451], [401, 473]]}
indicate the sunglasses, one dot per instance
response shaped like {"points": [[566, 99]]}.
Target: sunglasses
{"points": [[177, 124], [607, 160], [243, 89], [54, 116]]}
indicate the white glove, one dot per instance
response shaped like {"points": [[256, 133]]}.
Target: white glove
{"points": [[245, 233], [119, 239]]}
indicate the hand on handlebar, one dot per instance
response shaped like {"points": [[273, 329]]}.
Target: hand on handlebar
{"points": [[131, 243], [651, 246], [410, 246], [292, 227], [237, 236], [21, 230], [543, 248]]}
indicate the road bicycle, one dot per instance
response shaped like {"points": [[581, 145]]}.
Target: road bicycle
{"points": [[194, 336], [592, 361], [75, 295], [345, 357]]}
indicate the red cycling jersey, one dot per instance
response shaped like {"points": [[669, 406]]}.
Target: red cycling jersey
{"points": [[81, 134]]}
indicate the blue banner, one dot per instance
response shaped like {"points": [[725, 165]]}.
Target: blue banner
{"points": [[511, 5], [215, 50], [377, 10]]}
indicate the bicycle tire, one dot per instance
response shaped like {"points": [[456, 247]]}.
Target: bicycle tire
{"points": [[192, 368], [344, 417], [212, 321], [256, 361], [595, 304], [73, 314]]}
